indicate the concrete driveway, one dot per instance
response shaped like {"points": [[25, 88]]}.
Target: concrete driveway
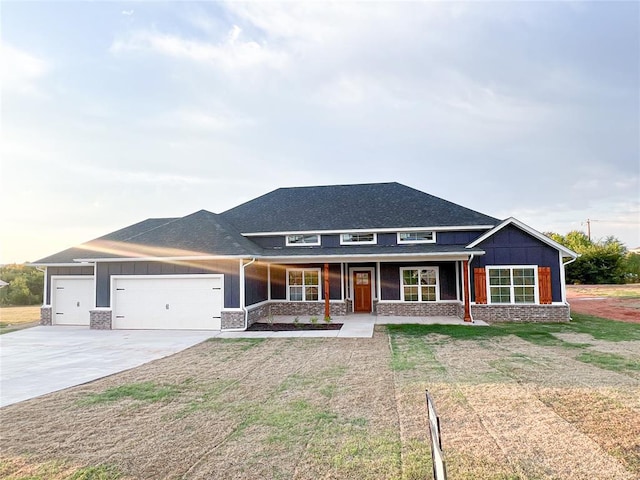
{"points": [[41, 360]]}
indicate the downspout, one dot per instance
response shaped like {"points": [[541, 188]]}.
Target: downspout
{"points": [[564, 283], [469, 286], [244, 294]]}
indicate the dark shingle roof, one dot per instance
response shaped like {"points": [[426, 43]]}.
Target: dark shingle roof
{"points": [[122, 235], [345, 207], [201, 233]]}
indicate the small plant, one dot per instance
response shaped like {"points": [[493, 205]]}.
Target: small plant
{"points": [[327, 319], [314, 320], [296, 321], [270, 319]]}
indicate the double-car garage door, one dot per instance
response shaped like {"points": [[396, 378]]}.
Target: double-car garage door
{"points": [[188, 302], [167, 302]]}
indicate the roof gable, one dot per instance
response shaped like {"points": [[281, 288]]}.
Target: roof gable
{"points": [[350, 207], [534, 233]]}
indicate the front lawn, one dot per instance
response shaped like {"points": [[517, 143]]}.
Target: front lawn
{"points": [[516, 401]]}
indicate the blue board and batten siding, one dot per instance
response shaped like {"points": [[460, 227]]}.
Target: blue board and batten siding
{"points": [[64, 271], [512, 246], [383, 239], [256, 288], [230, 269]]}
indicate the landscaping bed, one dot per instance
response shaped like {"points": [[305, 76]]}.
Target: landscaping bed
{"points": [[288, 327]]}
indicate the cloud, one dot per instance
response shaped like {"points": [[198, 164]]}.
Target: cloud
{"points": [[20, 70], [127, 13], [229, 55]]}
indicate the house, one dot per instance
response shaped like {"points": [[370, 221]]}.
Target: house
{"points": [[382, 248]]}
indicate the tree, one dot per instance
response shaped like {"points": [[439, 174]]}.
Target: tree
{"points": [[632, 268], [25, 285], [600, 262]]}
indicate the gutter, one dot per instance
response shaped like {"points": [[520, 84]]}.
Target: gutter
{"points": [[564, 265]]}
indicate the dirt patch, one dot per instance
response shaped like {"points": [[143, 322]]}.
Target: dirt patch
{"points": [[616, 302]]}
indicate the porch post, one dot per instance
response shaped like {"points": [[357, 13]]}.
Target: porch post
{"points": [[467, 296], [327, 312]]}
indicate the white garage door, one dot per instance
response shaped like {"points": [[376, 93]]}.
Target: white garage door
{"points": [[71, 300], [167, 302]]}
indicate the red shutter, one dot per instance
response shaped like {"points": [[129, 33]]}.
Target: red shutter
{"points": [[480, 284], [544, 282]]}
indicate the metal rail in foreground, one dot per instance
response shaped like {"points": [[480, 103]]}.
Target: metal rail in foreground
{"points": [[437, 457]]}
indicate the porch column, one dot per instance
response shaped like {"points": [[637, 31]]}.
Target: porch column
{"points": [[327, 312], [465, 288]]}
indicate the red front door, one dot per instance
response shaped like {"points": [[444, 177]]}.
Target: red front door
{"points": [[362, 292]]}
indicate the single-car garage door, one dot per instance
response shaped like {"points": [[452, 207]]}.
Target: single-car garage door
{"points": [[71, 300], [192, 302]]}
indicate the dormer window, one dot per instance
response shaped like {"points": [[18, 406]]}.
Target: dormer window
{"points": [[298, 240], [357, 238], [420, 236]]}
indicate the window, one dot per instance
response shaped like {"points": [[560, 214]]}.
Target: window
{"points": [[303, 285], [349, 238], [296, 240], [417, 237], [420, 284], [512, 284]]}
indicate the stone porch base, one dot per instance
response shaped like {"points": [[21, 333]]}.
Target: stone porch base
{"points": [[521, 313]]}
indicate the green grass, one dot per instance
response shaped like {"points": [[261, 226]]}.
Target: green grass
{"points": [[56, 470], [537, 333], [609, 361], [145, 392]]}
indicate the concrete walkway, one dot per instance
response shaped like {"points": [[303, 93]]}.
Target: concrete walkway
{"points": [[41, 360]]}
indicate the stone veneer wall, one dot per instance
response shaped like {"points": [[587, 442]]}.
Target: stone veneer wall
{"points": [[232, 319], [307, 308], [45, 315], [100, 319], [521, 313], [422, 309], [257, 313]]}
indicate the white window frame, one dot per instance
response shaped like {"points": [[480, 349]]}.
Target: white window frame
{"points": [[401, 241], [358, 242], [437, 271], [511, 268], [303, 244], [304, 293]]}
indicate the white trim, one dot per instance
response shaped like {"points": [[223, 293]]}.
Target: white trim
{"points": [[253, 306], [268, 281], [304, 299], [437, 285], [534, 233], [72, 264], [378, 285], [399, 241], [161, 259], [452, 256], [113, 279], [371, 271], [314, 244], [241, 279], [359, 242], [370, 230], [536, 285], [342, 280], [458, 266]]}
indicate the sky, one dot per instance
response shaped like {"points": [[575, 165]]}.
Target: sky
{"points": [[114, 112]]}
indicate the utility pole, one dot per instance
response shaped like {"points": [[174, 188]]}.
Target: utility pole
{"points": [[589, 229]]}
